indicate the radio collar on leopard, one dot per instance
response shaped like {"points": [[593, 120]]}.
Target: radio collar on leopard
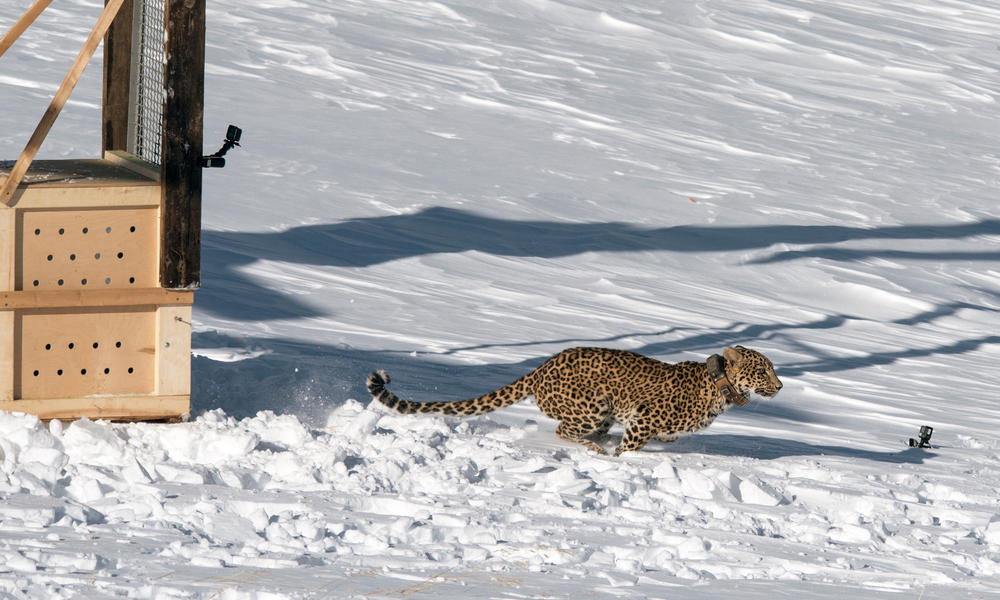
{"points": [[717, 370]]}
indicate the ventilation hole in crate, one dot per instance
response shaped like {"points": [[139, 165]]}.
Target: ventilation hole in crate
{"points": [[49, 258], [108, 230], [48, 346], [85, 230], [36, 373], [106, 371], [60, 282], [83, 282], [121, 255], [131, 279], [59, 372], [96, 345], [97, 256], [38, 232], [131, 370], [107, 281], [72, 257], [61, 231], [118, 344], [35, 283], [132, 229], [83, 371], [72, 345]]}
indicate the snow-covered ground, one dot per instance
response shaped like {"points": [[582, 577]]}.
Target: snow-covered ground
{"points": [[455, 190]]}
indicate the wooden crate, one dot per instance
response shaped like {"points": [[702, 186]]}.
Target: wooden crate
{"points": [[85, 329]]}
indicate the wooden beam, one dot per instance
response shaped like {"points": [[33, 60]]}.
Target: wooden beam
{"points": [[133, 163], [115, 408], [23, 23], [58, 101], [117, 73], [39, 197], [93, 298], [173, 350], [10, 342], [8, 248], [184, 78]]}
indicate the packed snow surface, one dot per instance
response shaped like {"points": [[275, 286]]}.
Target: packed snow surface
{"points": [[455, 190]]}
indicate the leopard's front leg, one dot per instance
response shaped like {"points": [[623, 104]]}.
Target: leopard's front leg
{"points": [[638, 432]]}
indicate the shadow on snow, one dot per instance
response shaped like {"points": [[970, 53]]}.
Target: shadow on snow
{"points": [[374, 240], [768, 448]]}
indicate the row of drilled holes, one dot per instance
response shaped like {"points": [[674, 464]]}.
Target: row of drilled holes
{"points": [[72, 346], [72, 257], [85, 230], [59, 372], [107, 281]]}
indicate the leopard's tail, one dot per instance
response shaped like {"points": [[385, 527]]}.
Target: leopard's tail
{"points": [[505, 396]]}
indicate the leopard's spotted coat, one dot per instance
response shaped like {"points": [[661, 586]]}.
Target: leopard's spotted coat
{"points": [[588, 389]]}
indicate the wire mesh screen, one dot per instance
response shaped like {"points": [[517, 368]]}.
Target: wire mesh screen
{"points": [[148, 94]]}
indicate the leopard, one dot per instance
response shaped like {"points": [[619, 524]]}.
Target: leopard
{"points": [[587, 390]]}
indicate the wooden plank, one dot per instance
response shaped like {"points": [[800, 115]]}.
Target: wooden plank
{"points": [[184, 78], [58, 101], [23, 23], [86, 172], [173, 352], [70, 197], [9, 343], [8, 248], [117, 73], [10, 301], [133, 163], [115, 408]]}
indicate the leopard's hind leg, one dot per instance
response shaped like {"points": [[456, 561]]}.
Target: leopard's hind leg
{"points": [[585, 429]]}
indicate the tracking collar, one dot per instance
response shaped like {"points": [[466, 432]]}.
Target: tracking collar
{"points": [[717, 370]]}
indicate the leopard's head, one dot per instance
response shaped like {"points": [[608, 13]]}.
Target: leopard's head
{"points": [[751, 372]]}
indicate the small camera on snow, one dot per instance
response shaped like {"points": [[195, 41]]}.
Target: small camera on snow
{"points": [[925, 438]]}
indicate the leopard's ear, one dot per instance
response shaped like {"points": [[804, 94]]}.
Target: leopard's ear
{"points": [[733, 355]]}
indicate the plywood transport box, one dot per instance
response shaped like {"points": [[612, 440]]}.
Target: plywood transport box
{"points": [[99, 257]]}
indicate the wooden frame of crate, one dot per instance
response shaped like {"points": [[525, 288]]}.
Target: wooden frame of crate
{"points": [[99, 257]]}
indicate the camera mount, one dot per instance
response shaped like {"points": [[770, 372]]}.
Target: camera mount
{"points": [[233, 135]]}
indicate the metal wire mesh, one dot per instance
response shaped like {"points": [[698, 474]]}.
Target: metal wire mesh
{"points": [[148, 94]]}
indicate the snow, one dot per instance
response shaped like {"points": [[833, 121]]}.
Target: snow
{"points": [[453, 191]]}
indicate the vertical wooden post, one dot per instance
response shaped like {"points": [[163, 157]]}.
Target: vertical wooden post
{"points": [[8, 337], [8, 249], [117, 71], [184, 79], [10, 341]]}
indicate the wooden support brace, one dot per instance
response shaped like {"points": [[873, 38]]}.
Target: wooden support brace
{"points": [[58, 101], [90, 298], [23, 23]]}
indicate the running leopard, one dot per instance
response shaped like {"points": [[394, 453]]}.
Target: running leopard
{"points": [[589, 389]]}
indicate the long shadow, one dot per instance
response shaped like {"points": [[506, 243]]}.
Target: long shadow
{"points": [[767, 448], [369, 241], [750, 334], [850, 255]]}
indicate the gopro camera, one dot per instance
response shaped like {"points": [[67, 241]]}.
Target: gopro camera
{"points": [[925, 438], [233, 135]]}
